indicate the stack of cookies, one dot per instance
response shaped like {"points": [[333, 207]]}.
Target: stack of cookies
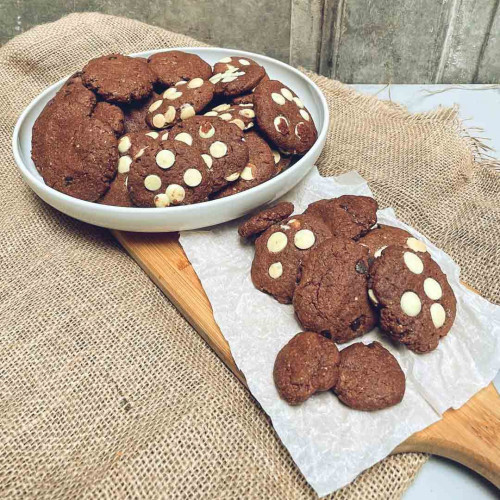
{"points": [[169, 130], [344, 275]]}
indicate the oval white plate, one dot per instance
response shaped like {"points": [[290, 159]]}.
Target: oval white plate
{"points": [[183, 217]]}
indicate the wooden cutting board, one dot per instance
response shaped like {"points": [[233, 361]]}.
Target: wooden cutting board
{"points": [[470, 435]]}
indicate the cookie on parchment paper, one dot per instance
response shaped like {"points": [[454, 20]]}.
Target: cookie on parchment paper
{"points": [[265, 219]]}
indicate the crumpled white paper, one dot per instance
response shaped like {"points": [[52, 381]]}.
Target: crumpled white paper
{"points": [[330, 443]]}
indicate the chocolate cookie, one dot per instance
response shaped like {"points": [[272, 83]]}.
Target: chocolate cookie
{"points": [[135, 113], [370, 377], [110, 115], [234, 76], [118, 78], [308, 363], [171, 174], [74, 152], [241, 115], [379, 238], [331, 297], [179, 103], [117, 194], [133, 144], [283, 118], [279, 252], [220, 143], [260, 167], [348, 216], [175, 65], [243, 99], [417, 304], [265, 219]]}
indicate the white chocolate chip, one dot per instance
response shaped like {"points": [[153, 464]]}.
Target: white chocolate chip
{"points": [[372, 296], [124, 144], [432, 289], [246, 105], [416, 245], [304, 239], [379, 251], [275, 270], [297, 129], [208, 160], [222, 107], [216, 78], [410, 304], [206, 131], [247, 113], [165, 158], [164, 137], [187, 111], [153, 135], [155, 105], [276, 242], [249, 125], [278, 98], [175, 193], [195, 83], [286, 93], [278, 121], [180, 82], [304, 114], [152, 183], [159, 120], [139, 153], [247, 174], [225, 60], [232, 177], [244, 62], [170, 114], [276, 156], [192, 177], [124, 164], [162, 200], [171, 94], [239, 123], [413, 262], [211, 113], [218, 149], [226, 116], [228, 79], [298, 102], [438, 315], [294, 223], [184, 137]]}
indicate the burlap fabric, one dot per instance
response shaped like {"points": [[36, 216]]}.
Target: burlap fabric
{"points": [[104, 388]]}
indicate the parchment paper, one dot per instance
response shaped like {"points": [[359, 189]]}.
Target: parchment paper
{"points": [[330, 443]]}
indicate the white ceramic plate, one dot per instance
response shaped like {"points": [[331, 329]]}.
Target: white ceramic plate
{"points": [[182, 217]]}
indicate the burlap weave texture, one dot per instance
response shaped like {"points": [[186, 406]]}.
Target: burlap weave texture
{"points": [[104, 388]]}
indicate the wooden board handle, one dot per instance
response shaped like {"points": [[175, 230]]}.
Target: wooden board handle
{"points": [[469, 435]]}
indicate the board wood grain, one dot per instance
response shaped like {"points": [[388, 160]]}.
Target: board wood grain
{"points": [[469, 435]]}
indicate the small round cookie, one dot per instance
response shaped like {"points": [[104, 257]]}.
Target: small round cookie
{"points": [[283, 118], [220, 143], [180, 102], [281, 160], [74, 152], [265, 219], [370, 377], [135, 113], [175, 65], [308, 363], [241, 115], [417, 304], [172, 173], [382, 236], [118, 78], [111, 115], [117, 194], [348, 216], [234, 76], [280, 251], [260, 167], [331, 297]]}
